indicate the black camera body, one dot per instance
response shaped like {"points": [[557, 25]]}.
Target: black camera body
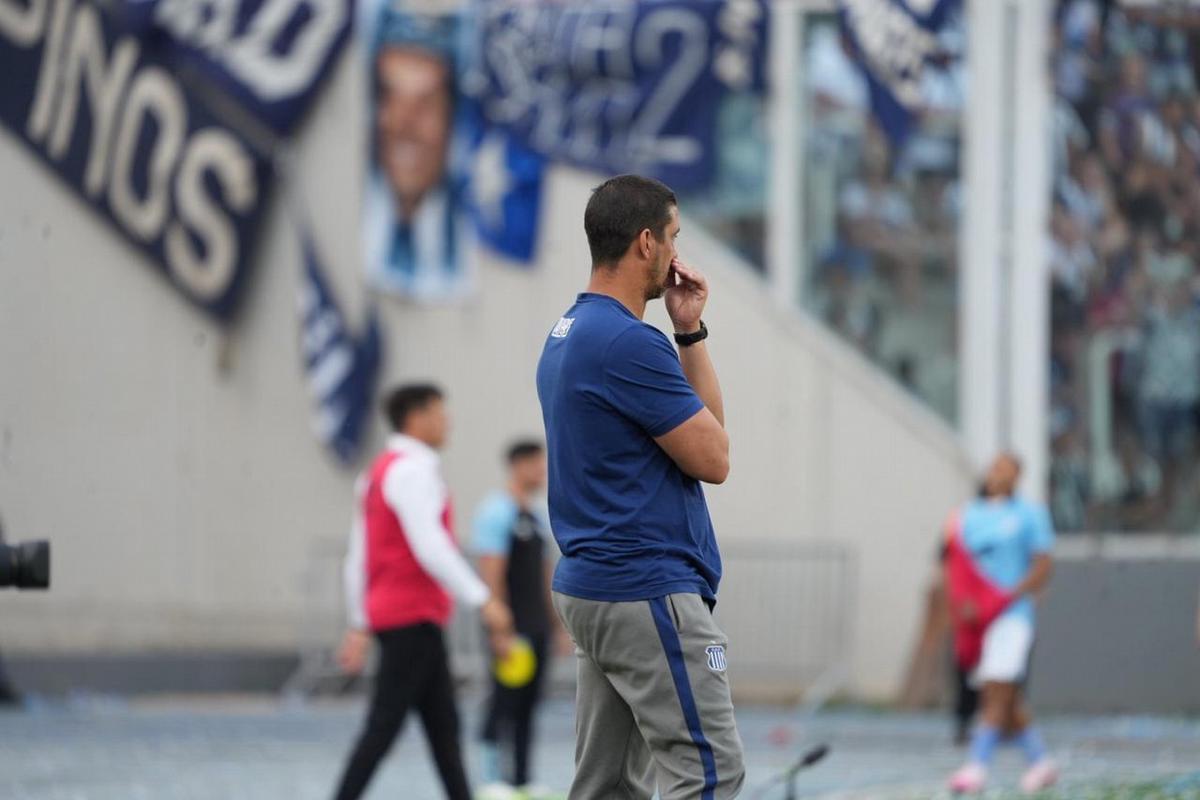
{"points": [[25, 565]]}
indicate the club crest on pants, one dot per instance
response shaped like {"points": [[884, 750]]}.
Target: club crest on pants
{"points": [[716, 657]]}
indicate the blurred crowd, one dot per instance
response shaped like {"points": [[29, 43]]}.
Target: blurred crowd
{"points": [[880, 226], [881, 219], [1125, 241]]}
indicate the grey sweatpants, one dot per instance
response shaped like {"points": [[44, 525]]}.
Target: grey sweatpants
{"points": [[652, 701]]}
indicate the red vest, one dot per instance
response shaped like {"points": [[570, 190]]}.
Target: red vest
{"points": [[966, 584], [399, 592]]}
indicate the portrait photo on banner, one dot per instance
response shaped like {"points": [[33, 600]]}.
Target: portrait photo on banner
{"points": [[417, 233]]}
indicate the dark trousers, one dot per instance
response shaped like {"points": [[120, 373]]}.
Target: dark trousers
{"points": [[966, 701], [508, 722], [414, 672]]}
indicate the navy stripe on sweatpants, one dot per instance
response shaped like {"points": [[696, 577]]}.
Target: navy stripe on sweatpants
{"points": [[683, 687]]}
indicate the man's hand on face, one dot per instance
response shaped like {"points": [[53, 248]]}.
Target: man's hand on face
{"points": [[686, 295]]}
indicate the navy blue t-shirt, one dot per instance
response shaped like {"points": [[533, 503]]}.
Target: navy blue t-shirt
{"points": [[629, 523]]}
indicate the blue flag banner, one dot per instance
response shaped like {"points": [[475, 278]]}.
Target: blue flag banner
{"points": [[341, 369], [893, 41], [113, 121], [269, 55], [504, 190], [628, 86], [440, 176]]}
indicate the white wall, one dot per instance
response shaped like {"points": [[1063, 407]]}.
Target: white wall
{"points": [[172, 465]]}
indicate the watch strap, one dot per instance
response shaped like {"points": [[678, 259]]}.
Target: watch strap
{"points": [[689, 339]]}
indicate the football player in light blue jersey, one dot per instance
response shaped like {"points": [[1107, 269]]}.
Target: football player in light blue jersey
{"points": [[1009, 540]]}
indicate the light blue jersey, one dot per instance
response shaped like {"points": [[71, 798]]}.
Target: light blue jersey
{"points": [[494, 523], [1003, 537]]}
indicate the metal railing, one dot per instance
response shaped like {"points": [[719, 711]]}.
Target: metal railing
{"points": [[788, 609], [787, 606], [322, 620]]}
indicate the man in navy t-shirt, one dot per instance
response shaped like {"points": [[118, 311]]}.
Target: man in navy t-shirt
{"points": [[633, 428]]}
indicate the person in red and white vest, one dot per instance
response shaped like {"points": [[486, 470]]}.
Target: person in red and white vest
{"points": [[403, 572]]}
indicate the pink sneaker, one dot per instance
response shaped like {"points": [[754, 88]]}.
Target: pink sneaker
{"points": [[970, 779], [1041, 775]]}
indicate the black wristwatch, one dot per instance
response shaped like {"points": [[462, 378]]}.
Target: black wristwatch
{"points": [[689, 339]]}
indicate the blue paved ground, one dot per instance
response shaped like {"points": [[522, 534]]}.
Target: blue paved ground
{"points": [[260, 749]]}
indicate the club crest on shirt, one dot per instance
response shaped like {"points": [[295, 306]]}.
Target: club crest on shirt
{"points": [[524, 529], [563, 327], [716, 657]]}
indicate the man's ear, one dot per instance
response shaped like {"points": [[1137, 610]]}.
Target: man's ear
{"points": [[645, 249]]}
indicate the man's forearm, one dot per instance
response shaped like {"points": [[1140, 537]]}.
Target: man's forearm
{"points": [[492, 569], [1038, 577], [698, 369]]}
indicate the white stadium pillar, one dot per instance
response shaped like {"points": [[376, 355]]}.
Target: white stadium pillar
{"points": [[785, 181], [1029, 316], [1004, 294], [980, 234]]}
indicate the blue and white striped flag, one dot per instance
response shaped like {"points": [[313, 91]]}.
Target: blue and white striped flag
{"points": [[341, 370], [893, 41]]}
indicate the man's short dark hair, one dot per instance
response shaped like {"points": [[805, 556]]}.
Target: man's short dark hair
{"points": [[403, 400], [619, 210], [522, 449]]}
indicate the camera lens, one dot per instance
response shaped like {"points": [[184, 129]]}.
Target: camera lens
{"points": [[35, 565], [25, 565]]}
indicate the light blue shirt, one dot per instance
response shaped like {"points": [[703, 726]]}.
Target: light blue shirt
{"points": [[494, 523], [1004, 536]]}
